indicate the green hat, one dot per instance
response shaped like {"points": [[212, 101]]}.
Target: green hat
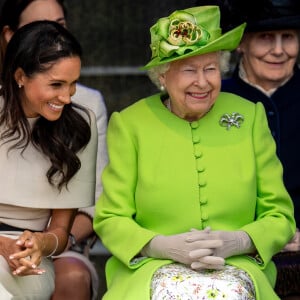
{"points": [[190, 32]]}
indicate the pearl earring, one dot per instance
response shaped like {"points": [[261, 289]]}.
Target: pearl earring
{"points": [[162, 88], [20, 85]]}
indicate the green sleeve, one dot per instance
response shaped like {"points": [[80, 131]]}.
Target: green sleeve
{"points": [[115, 210], [275, 224]]}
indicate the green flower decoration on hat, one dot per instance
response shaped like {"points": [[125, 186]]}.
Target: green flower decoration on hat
{"points": [[190, 32], [178, 33]]}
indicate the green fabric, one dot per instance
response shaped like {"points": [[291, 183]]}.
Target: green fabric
{"points": [[166, 175], [190, 32]]}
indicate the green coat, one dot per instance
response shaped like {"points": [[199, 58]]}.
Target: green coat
{"points": [[166, 176]]}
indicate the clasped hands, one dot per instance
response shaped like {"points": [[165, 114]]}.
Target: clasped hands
{"points": [[201, 249], [27, 254]]}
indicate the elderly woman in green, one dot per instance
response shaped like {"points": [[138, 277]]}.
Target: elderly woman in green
{"points": [[194, 206]]}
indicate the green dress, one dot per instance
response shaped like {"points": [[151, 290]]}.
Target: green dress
{"points": [[166, 175]]}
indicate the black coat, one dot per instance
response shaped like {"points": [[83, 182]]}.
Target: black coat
{"points": [[283, 112]]}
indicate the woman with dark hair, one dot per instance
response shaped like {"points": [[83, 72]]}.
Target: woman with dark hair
{"points": [[11, 20], [47, 156], [75, 275]]}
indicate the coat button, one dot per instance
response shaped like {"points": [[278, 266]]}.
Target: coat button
{"points": [[195, 124]]}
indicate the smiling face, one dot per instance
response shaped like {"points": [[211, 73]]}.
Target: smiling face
{"points": [[45, 94], [269, 57], [193, 85]]}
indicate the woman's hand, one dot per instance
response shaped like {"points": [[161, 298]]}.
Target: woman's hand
{"points": [[24, 255], [183, 248], [231, 242], [9, 246], [30, 253]]}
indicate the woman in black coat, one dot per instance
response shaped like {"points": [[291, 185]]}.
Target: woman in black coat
{"points": [[267, 72]]}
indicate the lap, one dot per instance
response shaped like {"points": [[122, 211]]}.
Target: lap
{"points": [[32, 287], [181, 282]]}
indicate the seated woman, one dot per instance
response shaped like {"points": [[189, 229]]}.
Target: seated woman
{"points": [[268, 72], [47, 156], [194, 206]]}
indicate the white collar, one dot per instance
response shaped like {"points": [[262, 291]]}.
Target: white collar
{"points": [[243, 76]]}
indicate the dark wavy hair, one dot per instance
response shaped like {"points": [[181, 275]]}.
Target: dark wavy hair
{"points": [[35, 48], [10, 14]]}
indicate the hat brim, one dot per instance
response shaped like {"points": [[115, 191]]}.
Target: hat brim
{"points": [[286, 22], [228, 41]]}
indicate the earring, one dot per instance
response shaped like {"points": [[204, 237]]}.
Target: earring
{"points": [[20, 85], [162, 88]]}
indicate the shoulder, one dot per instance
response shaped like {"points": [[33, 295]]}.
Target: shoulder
{"points": [[85, 112], [141, 105], [84, 91], [229, 98], [235, 103], [138, 114], [90, 98], [296, 76], [230, 84]]}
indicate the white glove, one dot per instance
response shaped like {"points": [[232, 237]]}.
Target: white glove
{"points": [[294, 243], [179, 247], [233, 243], [207, 262]]}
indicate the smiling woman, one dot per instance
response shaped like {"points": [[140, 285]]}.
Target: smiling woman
{"points": [[46, 93], [47, 156], [165, 195], [268, 72], [194, 84]]}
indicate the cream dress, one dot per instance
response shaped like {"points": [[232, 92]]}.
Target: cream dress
{"points": [[26, 201]]}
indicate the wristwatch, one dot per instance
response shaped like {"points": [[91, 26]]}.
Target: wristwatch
{"points": [[72, 239]]}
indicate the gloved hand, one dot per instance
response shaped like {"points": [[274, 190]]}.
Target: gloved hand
{"points": [[180, 246], [294, 243], [233, 243], [207, 262]]}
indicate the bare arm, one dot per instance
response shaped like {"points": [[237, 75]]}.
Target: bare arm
{"points": [[35, 245]]}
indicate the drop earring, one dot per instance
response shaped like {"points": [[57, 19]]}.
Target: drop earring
{"points": [[20, 85], [162, 88]]}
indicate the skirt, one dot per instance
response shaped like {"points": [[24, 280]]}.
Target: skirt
{"points": [[176, 281]]}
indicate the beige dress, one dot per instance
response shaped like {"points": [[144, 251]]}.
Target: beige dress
{"points": [[26, 200], [93, 100]]}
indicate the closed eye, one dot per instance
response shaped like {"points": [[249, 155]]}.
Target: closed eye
{"points": [[56, 84], [189, 70]]}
